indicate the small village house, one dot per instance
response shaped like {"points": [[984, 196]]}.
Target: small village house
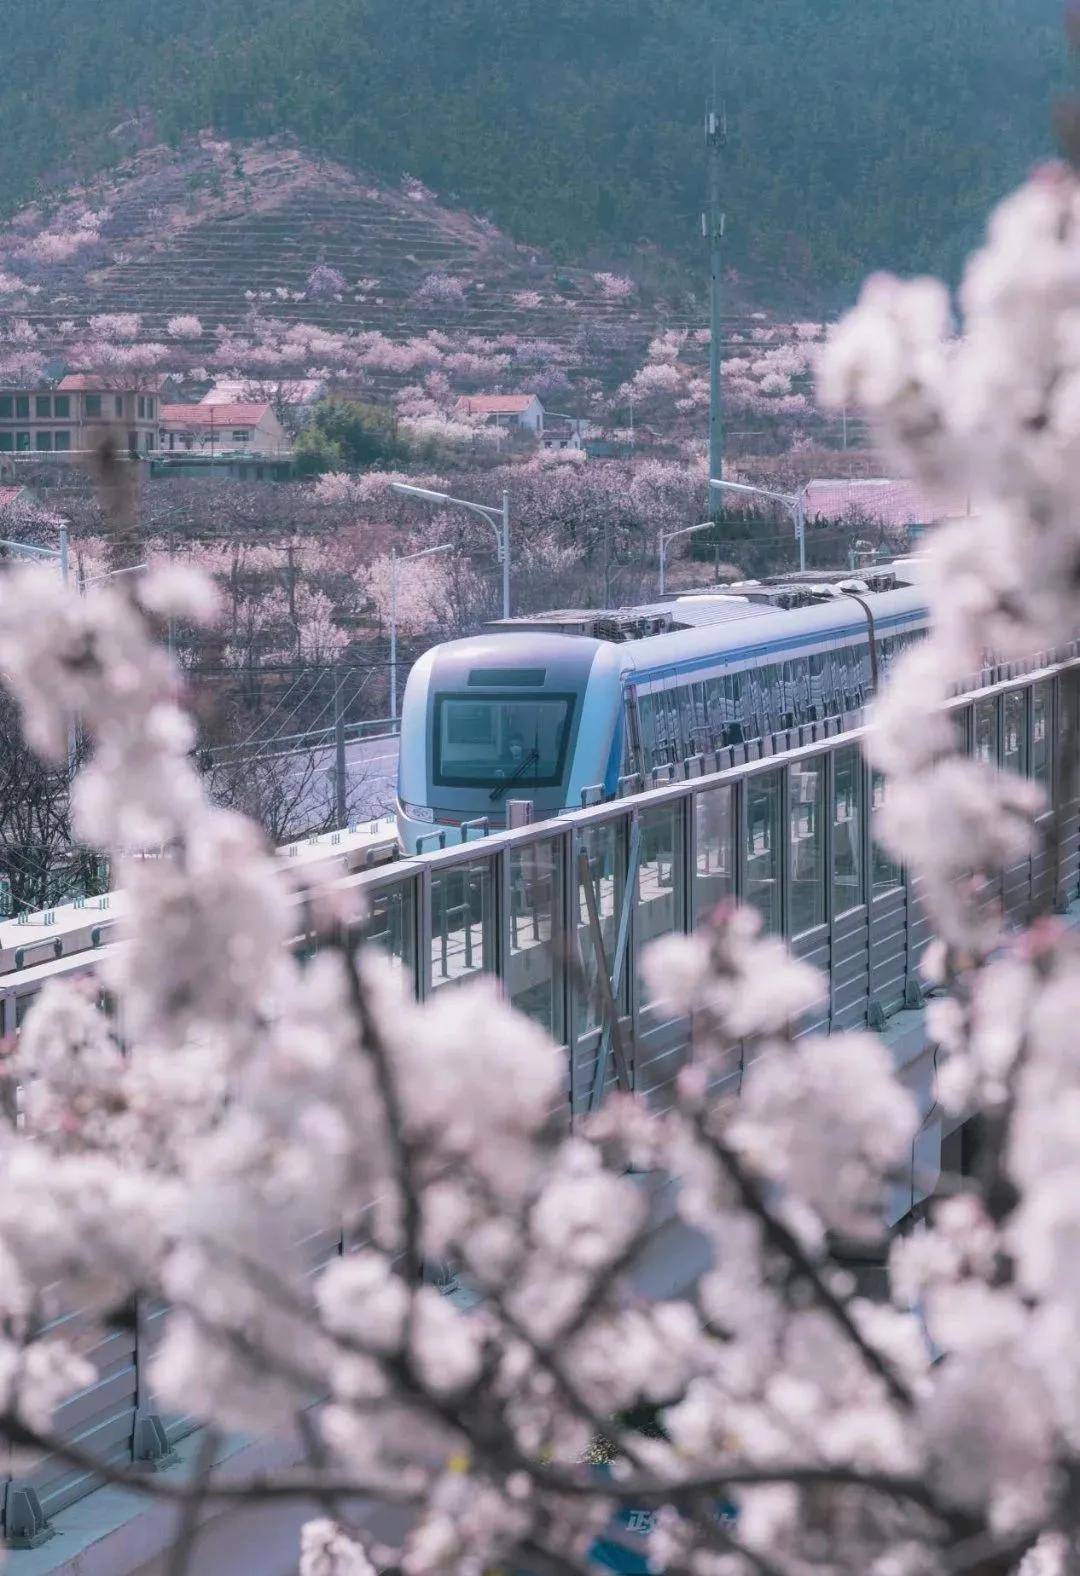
{"points": [[291, 398], [242, 426], [523, 412]]}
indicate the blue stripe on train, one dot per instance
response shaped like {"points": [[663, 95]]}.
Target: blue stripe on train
{"points": [[720, 661]]}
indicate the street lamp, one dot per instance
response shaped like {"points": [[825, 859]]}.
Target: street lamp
{"points": [[408, 558], [794, 503], [498, 519], [668, 536]]}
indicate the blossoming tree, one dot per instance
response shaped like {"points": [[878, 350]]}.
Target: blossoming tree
{"points": [[794, 1426]]}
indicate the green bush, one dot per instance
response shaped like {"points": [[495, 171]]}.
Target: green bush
{"points": [[347, 435]]}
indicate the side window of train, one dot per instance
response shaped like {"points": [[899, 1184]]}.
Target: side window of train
{"points": [[774, 681], [685, 693], [838, 675], [631, 722], [701, 714], [849, 681], [647, 713], [816, 666], [667, 726], [784, 692], [717, 703]]}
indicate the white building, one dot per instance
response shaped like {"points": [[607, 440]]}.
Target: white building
{"points": [[243, 426], [297, 394], [523, 411]]}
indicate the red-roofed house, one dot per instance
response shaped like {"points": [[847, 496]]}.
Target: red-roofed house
{"points": [[242, 426], [504, 410]]}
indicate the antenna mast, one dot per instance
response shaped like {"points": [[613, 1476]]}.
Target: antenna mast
{"points": [[712, 225]]}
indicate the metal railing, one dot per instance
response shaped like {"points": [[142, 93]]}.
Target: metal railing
{"points": [[789, 833]]}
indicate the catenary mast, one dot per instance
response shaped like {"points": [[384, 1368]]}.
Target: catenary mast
{"points": [[712, 224]]}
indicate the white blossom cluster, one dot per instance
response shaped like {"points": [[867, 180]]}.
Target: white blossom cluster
{"points": [[241, 1100]]}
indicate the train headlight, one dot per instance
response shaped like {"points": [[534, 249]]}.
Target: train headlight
{"points": [[418, 812]]}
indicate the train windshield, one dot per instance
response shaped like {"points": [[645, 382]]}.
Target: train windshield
{"points": [[493, 741]]}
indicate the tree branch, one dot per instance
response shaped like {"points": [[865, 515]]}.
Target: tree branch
{"points": [[787, 1243]]}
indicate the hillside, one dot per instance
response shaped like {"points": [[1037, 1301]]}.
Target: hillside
{"points": [[861, 135], [254, 260]]}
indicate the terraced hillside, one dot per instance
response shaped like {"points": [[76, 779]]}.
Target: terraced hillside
{"points": [[258, 259]]}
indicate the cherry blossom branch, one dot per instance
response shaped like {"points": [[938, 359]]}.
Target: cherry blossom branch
{"points": [[787, 1243]]}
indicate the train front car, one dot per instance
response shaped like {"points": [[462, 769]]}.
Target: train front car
{"points": [[504, 717]]}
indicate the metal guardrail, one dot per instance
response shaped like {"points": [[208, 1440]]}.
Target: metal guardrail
{"points": [[789, 833], [561, 911], [285, 744]]}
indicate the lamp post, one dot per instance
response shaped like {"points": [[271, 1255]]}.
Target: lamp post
{"points": [[407, 558], [668, 536], [794, 503], [498, 519]]}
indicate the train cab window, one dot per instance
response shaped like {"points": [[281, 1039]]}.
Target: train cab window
{"points": [[847, 830], [483, 741], [806, 845], [1040, 732], [985, 731], [763, 840], [1014, 741]]}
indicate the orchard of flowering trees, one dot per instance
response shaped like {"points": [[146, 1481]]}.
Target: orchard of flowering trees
{"points": [[258, 1095]]}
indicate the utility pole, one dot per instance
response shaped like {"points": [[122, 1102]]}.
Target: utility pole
{"points": [[505, 553], [712, 224], [340, 806]]}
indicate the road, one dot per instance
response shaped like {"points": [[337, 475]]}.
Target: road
{"points": [[372, 769]]}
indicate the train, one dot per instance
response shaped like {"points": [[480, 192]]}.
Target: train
{"points": [[556, 710]]}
